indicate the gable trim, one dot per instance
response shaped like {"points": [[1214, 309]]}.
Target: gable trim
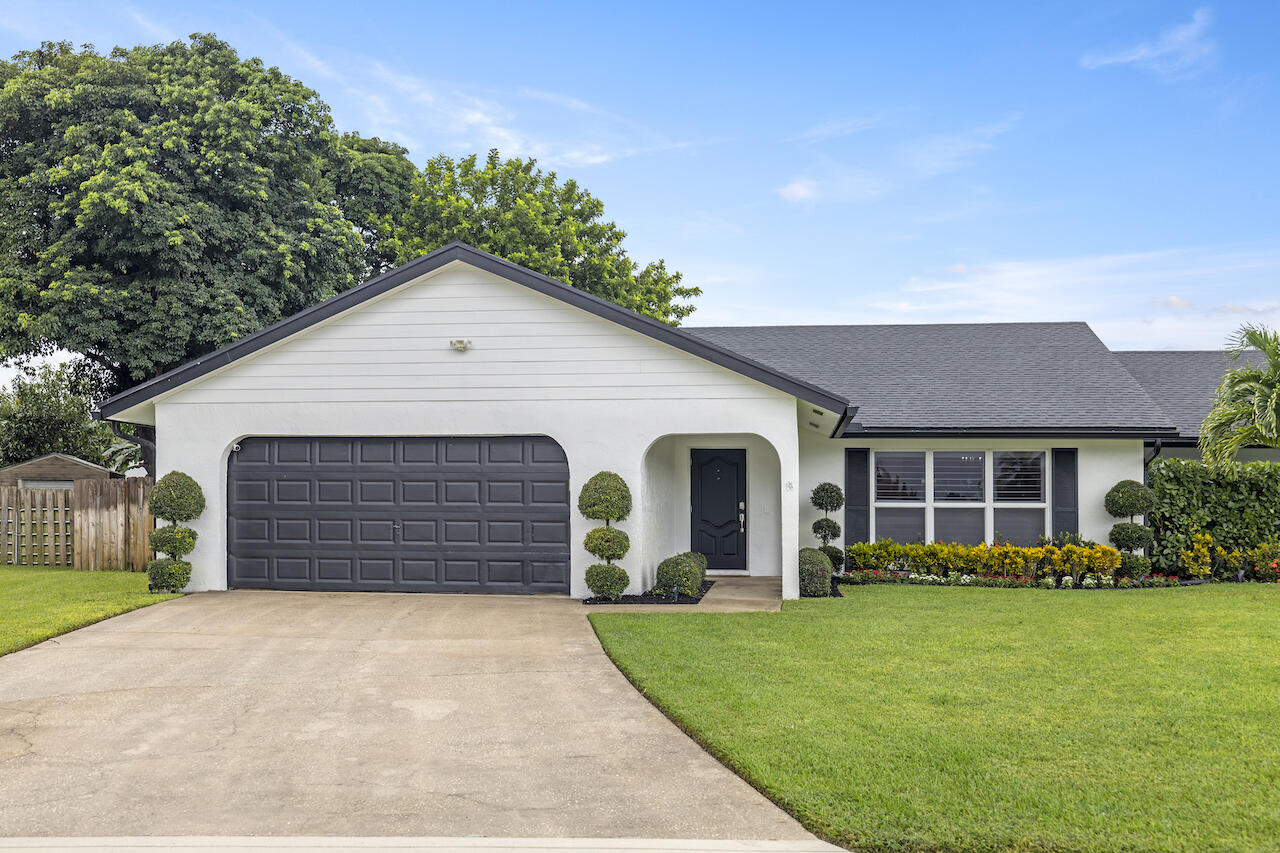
{"points": [[489, 263], [66, 457]]}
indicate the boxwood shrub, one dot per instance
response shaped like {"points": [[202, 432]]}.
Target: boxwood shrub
{"points": [[607, 581], [168, 575], [605, 497], [173, 540], [176, 497], [607, 543], [1128, 536], [835, 555], [1235, 504], [681, 573], [815, 573]]}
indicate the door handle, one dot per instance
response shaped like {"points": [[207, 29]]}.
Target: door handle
{"points": [[742, 522]]}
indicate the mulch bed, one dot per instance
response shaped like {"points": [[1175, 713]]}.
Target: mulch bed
{"points": [[650, 598]]}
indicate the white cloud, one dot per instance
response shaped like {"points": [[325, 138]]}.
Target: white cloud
{"points": [[1177, 51], [938, 154], [150, 27], [800, 190], [836, 129]]}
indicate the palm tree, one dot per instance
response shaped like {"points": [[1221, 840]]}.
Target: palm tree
{"points": [[1246, 411]]}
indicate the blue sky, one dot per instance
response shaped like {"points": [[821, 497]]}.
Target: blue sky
{"points": [[836, 163]]}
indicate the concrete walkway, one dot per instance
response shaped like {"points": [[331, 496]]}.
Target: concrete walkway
{"points": [[309, 714], [730, 594], [471, 845]]}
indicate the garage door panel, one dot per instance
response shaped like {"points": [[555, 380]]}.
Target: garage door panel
{"points": [[414, 514]]}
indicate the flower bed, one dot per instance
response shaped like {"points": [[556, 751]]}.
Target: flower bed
{"points": [[1067, 565]]}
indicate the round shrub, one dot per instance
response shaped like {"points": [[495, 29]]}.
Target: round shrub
{"points": [[1128, 498], [827, 497], [173, 540], [607, 581], [1128, 536], [605, 497], [168, 575], [1134, 566], [835, 555], [815, 573], [826, 529], [698, 561], [176, 497], [607, 543], [679, 574]]}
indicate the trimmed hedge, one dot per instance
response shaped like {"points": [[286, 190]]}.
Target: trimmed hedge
{"points": [[1129, 536], [815, 574], [607, 581], [683, 573], [173, 540], [1006, 561], [835, 555], [605, 497], [1128, 498], [176, 497], [168, 575], [1236, 505], [607, 543]]}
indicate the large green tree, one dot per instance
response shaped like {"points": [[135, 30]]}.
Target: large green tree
{"points": [[515, 210], [159, 202], [48, 412], [374, 182], [1246, 409]]}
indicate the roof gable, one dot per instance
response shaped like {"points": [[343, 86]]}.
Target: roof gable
{"points": [[64, 457], [960, 378], [402, 275]]}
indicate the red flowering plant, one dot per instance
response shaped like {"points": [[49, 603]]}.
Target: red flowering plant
{"points": [[1263, 562]]}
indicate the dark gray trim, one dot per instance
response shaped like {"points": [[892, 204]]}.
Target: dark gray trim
{"points": [[1021, 432], [1064, 506], [492, 264], [857, 495], [844, 422]]}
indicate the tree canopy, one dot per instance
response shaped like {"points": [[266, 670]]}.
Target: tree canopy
{"points": [[161, 201], [1246, 409], [49, 413]]}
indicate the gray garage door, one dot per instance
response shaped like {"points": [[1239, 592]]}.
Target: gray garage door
{"points": [[406, 514]]}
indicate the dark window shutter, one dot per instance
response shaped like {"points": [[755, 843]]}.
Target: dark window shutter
{"points": [[1065, 509], [857, 495]]}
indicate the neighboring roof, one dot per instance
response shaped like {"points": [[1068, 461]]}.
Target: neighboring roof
{"points": [[1181, 382], [493, 264], [960, 378], [65, 457]]}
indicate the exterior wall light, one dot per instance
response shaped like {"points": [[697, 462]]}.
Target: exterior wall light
{"points": [[460, 345]]}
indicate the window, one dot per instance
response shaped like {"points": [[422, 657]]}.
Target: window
{"points": [[1019, 477], [45, 484], [966, 496], [959, 476], [899, 476]]}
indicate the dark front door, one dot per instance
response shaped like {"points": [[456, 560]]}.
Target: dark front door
{"points": [[719, 505]]}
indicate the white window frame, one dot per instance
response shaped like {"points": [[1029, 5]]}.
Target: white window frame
{"points": [[989, 505]]}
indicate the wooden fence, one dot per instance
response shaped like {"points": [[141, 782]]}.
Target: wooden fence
{"points": [[96, 525]]}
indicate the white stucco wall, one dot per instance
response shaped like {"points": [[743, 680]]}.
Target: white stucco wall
{"points": [[537, 367], [1102, 463]]}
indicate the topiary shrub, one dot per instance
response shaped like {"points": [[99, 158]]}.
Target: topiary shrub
{"points": [[828, 498], [835, 555], [1136, 566], [168, 574], [1128, 536], [607, 581], [173, 540], [1129, 498], [699, 562], [605, 497], [679, 574], [176, 497], [607, 543], [815, 573]]}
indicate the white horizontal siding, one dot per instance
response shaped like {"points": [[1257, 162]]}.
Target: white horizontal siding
{"points": [[525, 346]]}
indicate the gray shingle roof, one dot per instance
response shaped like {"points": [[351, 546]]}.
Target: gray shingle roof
{"points": [[997, 377], [1182, 382]]}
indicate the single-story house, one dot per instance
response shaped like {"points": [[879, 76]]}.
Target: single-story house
{"points": [[431, 429], [52, 471]]}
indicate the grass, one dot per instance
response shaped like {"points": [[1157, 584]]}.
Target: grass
{"points": [[37, 603], [911, 718]]}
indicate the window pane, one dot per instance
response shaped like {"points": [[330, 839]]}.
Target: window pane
{"points": [[958, 476], [899, 476], [1020, 526], [966, 526], [1019, 476], [900, 524]]}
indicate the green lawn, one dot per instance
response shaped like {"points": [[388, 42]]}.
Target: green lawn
{"points": [[37, 603], [911, 718]]}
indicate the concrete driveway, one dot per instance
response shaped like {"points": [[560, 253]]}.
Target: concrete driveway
{"points": [[307, 714]]}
